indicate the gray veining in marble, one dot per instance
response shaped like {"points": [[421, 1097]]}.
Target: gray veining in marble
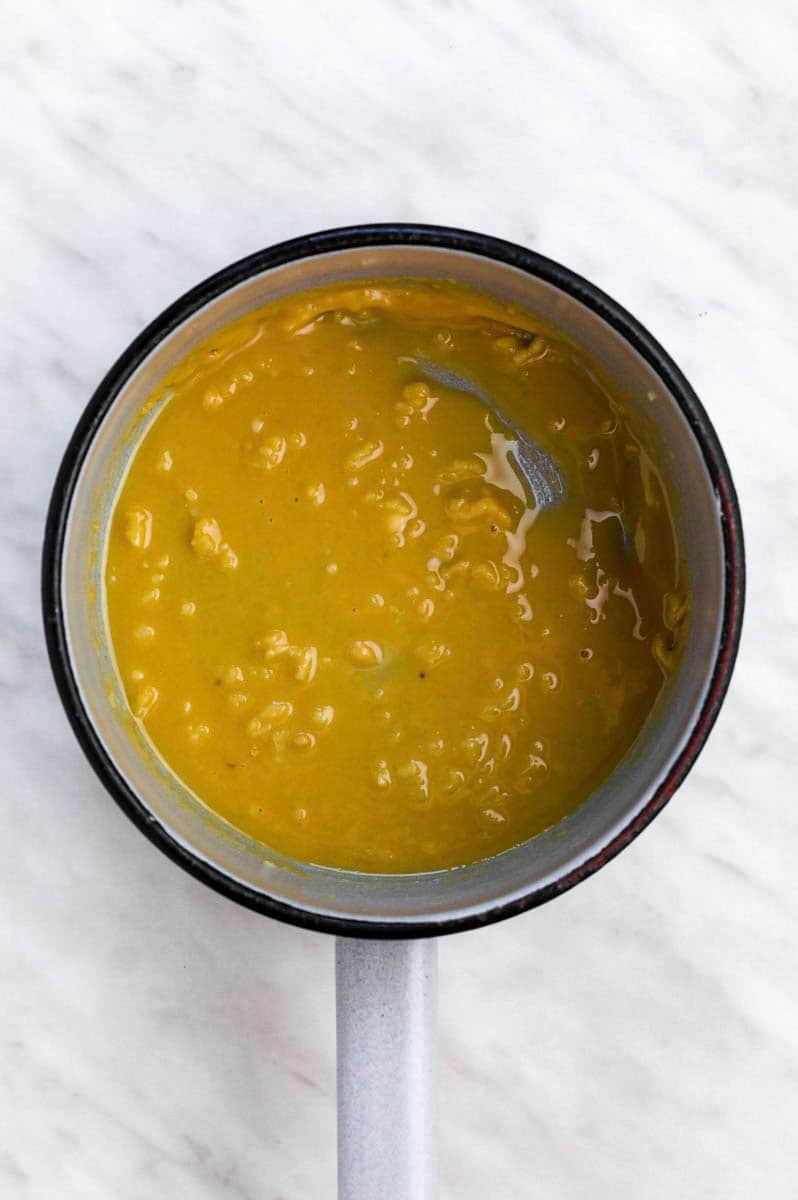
{"points": [[636, 1039]]}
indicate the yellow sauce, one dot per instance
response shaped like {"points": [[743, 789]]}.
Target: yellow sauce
{"points": [[335, 605]]}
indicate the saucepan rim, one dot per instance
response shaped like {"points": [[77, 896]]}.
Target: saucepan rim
{"points": [[359, 237]]}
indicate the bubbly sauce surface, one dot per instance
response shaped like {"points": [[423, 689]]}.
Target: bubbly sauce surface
{"points": [[335, 605]]}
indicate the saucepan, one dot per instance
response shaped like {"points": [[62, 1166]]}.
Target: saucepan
{"points": [[386, 925]]}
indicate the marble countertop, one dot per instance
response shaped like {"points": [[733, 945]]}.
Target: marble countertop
{"points": [[639, 1037]]}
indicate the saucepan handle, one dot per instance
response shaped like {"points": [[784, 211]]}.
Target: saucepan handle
{"points": [[386, 999]]}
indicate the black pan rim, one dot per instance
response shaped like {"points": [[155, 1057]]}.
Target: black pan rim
{"points": [[358, 237]]}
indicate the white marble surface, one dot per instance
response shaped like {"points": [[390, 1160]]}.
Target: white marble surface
{"points": [[639, 1037]]}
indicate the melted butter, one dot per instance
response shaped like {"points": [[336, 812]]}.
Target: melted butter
{"points": [[333, 601]]}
